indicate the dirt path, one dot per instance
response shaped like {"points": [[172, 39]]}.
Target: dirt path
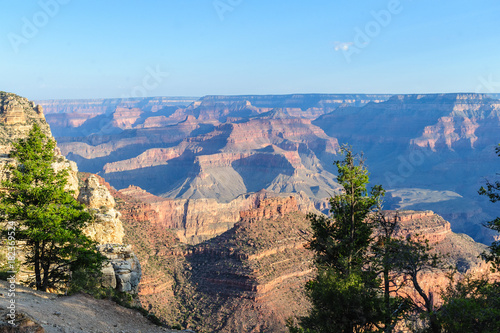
{"points": [[76, 314]]}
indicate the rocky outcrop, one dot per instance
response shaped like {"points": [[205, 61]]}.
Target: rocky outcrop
{"points": [[19, 115], [271, 208], [123, 270], [72, 169], [94, 194], [195, 220], [422, 225], [125, 118], [106, 226], [461, 250], [150, 158], [450, 132]]}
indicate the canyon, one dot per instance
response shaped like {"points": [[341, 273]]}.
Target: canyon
{"points": [[202, 207], [251, 277], [424, 149]]}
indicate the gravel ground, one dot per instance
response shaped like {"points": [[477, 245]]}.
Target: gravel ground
{"points": [[75, 314]]}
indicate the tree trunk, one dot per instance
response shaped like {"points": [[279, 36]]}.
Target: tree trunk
{"points": [[46, 267], [38, 276], [429, 305], [45, 283], [387, 301]]}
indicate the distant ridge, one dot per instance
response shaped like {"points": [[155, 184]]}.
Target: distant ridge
{"points": [[108, 105], [302, 101]]}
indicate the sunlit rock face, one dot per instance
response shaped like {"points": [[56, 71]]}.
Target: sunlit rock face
{"points": [[123, 270], [196, 220], [258, 267], [106, 227], [441, 146], [17, 116]]}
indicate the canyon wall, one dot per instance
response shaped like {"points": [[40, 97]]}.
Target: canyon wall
{"points": [[123, 271], [251, 277], [222, 147], [196, 220]]}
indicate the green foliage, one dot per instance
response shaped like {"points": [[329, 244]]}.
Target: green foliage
{"points": [[83, 281], [345, 294], [359, 271], [342, 240], [492, 191], [348, 303], [471, 305], [50, 219]]}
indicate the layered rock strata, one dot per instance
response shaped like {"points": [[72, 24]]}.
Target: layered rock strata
{"points": [[250, 277], [196, 220], [17, 116]]}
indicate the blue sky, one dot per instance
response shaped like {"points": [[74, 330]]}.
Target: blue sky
{"points": [[52, 49]]}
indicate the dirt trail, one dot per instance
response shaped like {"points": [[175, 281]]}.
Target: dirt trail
{"points": [[76, 314]]}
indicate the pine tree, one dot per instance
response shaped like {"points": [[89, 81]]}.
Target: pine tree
{"points": [[345, 293], [361, 263], [49, 218]]}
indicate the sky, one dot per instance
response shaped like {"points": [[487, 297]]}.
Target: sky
{"points": [[64, 49]]}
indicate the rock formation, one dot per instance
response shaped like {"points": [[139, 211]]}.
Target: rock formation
{"points": [[106, 227], [123, 270], [196, 220], [225, 146], [265, 152], [251, 276], [85, 117], [431, 142], [18, 115]]}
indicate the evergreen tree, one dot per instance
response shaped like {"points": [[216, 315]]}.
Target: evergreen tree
{"points": [[345, 293], [386, 251], [49, 218], [361, 264]]}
